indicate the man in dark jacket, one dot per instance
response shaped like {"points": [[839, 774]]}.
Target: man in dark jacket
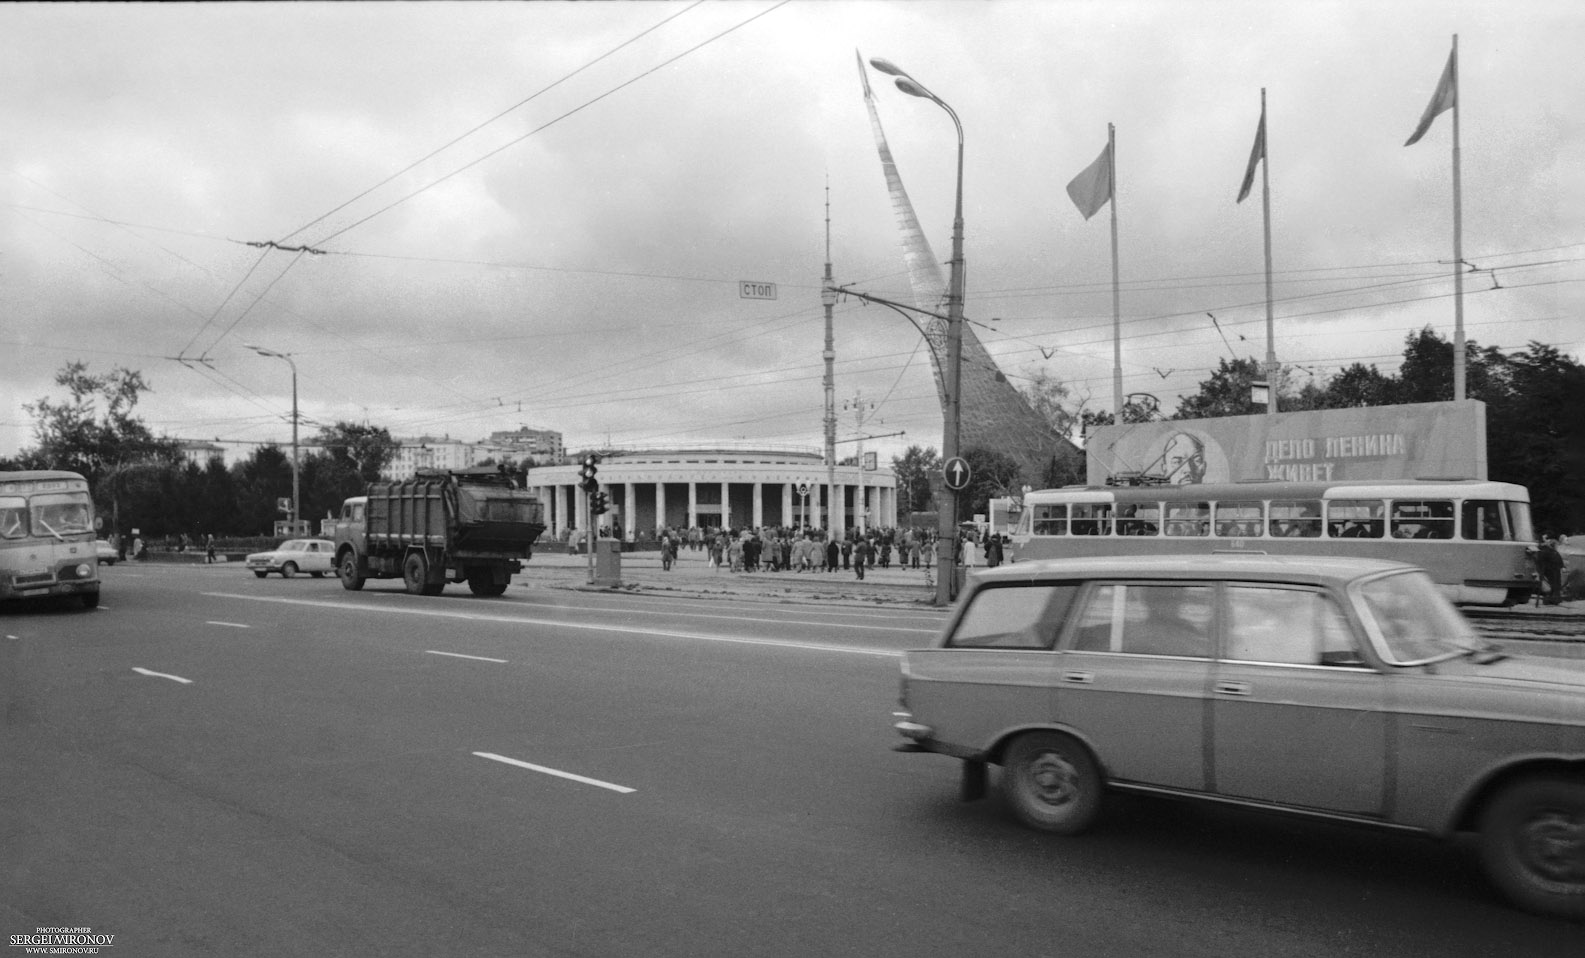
{"points": [[1549, 562]]}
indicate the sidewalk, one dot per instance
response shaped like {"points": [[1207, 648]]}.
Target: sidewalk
{"points": [[691, 575]]}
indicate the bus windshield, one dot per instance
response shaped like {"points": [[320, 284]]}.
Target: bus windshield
{"points": [[60, 514]]}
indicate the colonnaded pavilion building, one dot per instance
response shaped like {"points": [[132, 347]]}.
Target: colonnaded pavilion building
{"points": [[722, 486]]}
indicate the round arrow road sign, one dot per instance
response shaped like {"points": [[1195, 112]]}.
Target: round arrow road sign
{"points": [[956, 471]]}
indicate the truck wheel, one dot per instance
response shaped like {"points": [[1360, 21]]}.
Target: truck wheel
{"points": [[415, 570], [347, 571], [1532, 838], [90, 600], [483, 583]]}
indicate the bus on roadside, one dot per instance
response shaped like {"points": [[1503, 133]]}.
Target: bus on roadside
{"points": [[47, 537], [1474, 537]]}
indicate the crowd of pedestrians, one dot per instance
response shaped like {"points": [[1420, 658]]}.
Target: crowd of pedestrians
{"points": [[805, 549]]}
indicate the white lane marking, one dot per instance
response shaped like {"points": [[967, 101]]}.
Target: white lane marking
{"points": [[459, 655], [229, 625], [556, 623], [559, 774], [162, 675]]}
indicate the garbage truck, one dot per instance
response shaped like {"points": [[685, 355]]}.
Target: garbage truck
{"points": [[470, 525]]}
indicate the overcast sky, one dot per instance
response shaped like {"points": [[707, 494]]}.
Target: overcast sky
{"points": [[575, 263]]}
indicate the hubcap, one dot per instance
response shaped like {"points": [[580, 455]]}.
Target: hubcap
{"points": [[1053, 778], [1552, 845]]}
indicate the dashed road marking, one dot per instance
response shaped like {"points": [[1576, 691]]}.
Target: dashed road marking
{"points": [[459, 655], [623, 789], [162, 675]]}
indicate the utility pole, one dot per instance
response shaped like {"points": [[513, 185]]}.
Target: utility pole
{"points": [[828, 298]]}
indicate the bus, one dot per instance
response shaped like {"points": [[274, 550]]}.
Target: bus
{"points": [[47, 537], [1474, 537]]}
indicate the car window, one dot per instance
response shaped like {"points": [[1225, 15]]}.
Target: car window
{"points": [[1166, 619], [1018, 616], [1286, 625]]}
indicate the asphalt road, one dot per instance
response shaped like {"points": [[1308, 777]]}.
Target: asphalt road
{"points": [[212, 764]]}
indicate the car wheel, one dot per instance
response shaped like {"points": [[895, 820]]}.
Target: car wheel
{"points": [[1532, 838], [1052, 783], [288, 570], [317, 575], [415, 569], [347, 571], [260, 573]]}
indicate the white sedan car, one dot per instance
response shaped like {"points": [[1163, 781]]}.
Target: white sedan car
{"points": [[313, 556]]}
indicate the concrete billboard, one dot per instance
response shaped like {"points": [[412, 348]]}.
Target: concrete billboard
{"points": [[1420, 440]]}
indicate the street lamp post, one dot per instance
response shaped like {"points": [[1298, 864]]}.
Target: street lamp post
{"points": [[296, 500], [947, 527]]}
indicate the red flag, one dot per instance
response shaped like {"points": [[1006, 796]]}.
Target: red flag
{"points": [[1445, 97], [1256, 153], [1092, 189]]}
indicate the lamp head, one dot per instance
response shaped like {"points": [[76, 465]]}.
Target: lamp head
{"points": [[887, 66], [913, 89]]}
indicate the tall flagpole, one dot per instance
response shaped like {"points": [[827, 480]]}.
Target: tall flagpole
{"points": [[1265, 205], [1458, 246], [1117, 300]]}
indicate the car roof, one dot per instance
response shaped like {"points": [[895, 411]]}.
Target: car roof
{"points": [[1335, 570]]}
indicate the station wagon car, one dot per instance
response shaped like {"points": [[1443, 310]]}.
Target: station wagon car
{"points": [[313, 556], [1348, 689]]}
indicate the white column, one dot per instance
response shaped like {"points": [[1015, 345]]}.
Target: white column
{"points": [[726, 506], [787, 504], [759, 504], [629, 500]]}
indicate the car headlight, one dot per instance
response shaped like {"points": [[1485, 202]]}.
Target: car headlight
{"points": [[84, 570]]}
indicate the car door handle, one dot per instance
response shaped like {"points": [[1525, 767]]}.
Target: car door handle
{"points": [[1233, 688], [1079, 678]]}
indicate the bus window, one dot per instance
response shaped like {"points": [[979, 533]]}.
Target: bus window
{"points": [[1355, 518], [1296, 518], [1422, 519], [1495, 520], [1051, 520], [1189, 519], [1239, 520], [13, 517], [1092, 518], [1139, 519]]}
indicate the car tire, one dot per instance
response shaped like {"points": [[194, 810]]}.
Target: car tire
{"points": [[260, 573], [1532, 846], [1051, 783], [288, 570], [347, 571], [317, 575]]}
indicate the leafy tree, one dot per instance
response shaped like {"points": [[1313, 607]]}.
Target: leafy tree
{"points": [[991, 475], [363, 450], [1226, 393], [94, 432], [913, 470], [259, 481], [1358, 385]]}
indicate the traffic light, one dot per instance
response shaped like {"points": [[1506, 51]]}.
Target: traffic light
{"points": [[600, 504], [586, 473]]}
